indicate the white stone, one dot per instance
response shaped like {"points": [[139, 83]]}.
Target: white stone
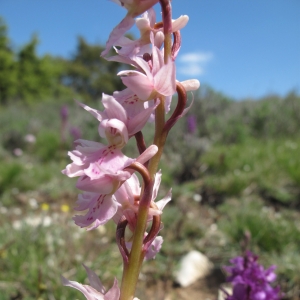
{"points": [[192, 267], [197, 197]]}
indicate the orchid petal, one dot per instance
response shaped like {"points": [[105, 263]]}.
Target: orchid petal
{"points": [[154, 248], [165, 82], [191, 84], [118, 32], [139, 121], [96, 113], [101, 210], [179, 23], [147, 154], [157, 181], [163, 202], [113, 108], [140, 84], [113, 293], [89, 292], [94, 280]]}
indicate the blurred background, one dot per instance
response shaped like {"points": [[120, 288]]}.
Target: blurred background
{"points": [[233, 162]]}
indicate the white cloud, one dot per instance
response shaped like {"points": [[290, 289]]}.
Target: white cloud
{"points": [[192, 64], [191, 70]]}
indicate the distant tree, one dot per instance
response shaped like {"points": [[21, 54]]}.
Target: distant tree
{"points": [[7, 66], [88, 74], [30, 78], [34, 80]]}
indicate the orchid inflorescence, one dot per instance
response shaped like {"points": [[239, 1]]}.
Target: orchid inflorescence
{"points": [[250, 280], [107, 177]]}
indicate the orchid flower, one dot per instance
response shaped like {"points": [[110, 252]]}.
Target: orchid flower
{"points": [[100, 167], [128, 196], [157, 80], [102, 205], [114, 113]]}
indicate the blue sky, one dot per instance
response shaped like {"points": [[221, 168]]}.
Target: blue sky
{"points": [[243, 48]]}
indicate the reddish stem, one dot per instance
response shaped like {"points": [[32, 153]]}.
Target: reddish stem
{"points": [[182, 98], [140, 142]]}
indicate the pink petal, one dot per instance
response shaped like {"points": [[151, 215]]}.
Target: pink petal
{"points": [[84, 200], [131, 103], [140, 84], [163, 202], [165, 82], [144, 66], [139, 120], [96, 113], [113, 293], [113, 109], [147, 154], [73, 170], [94, 280], [157, 181], [154, 248], [118, 32], [179, 23], [191, 84], [168, 100], [100, 212], [87, 291], [105, 184], [158, 60]]}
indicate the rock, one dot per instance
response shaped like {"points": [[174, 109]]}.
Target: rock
{"points": [[192, 267]]}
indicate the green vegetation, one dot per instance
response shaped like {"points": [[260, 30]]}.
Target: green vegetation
{"points": [[249, 183], [25, 77]]}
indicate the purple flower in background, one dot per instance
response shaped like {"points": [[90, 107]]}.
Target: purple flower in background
{"points": [[75, 132], [191, 124], [250, 280], [64, 113], [64, 120]]}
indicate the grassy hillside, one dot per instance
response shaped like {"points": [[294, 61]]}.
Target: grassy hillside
{"points": [[238, 171]]}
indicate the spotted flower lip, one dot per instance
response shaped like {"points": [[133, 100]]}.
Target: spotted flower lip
{"points": [[101, 208]]}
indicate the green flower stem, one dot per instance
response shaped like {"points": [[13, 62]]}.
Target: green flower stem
{"points": [[132, 270], [137, 254], [159, 138]]}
